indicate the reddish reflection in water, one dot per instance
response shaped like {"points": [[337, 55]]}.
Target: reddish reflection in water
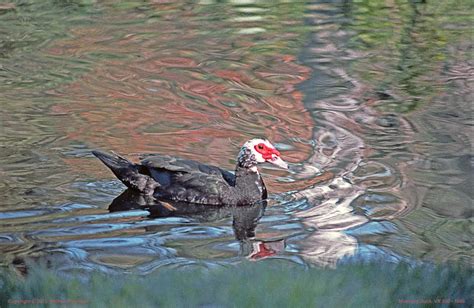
{"points": [[183, 93]]}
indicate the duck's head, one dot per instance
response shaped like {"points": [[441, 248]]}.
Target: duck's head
{"points": [[258, 151]]}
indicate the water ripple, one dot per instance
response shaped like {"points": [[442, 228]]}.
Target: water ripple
{"points": [[377, 135]]}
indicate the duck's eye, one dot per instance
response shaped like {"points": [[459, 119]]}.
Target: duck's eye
{"points": [[260, 146]]}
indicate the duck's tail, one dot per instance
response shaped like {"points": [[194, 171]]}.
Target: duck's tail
{"points": [[132, 175]]}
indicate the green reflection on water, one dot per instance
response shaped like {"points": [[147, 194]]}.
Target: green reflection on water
{"points": [[408, 44]]}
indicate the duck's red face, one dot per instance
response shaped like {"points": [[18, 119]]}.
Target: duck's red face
{"points": [[264, 151]]}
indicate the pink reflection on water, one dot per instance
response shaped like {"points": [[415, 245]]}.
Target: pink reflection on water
{"points": [[177, 93]]}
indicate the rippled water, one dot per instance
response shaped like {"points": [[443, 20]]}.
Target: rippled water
{"points": [[370, 103]]}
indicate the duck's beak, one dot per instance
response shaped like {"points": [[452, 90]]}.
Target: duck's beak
{"points": [[277, 161]]}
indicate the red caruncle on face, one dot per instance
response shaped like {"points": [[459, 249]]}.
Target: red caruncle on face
{"points": [[267, 152]]}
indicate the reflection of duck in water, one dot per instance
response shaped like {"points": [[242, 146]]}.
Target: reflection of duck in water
{"points": [[177, 179], [244, 218]]}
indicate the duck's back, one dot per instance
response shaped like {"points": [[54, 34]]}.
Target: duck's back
{"points": [[188, 180], [178, 179]]}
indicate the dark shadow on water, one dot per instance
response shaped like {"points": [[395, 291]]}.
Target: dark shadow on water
{"points": [[244, 219], [244, 223]]}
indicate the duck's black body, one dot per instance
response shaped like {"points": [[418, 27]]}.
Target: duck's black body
{"points": [[170, 178], [177, 179]]}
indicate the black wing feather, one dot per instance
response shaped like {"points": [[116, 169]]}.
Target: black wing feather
{"points": [[189, 180]]}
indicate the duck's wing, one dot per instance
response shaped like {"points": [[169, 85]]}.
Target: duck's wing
{"points": [[168, 163], [188, 180]]}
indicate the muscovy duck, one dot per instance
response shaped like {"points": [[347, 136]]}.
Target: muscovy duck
{"points": [[171, 178]]}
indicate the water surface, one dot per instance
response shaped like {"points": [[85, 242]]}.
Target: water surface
{"points": [[370, 102]]}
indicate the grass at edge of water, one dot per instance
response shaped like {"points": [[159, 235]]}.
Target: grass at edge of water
{"points": [[265, 284]]}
